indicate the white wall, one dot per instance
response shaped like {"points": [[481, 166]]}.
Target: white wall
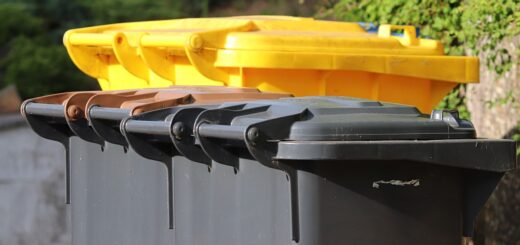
{"points": [[32, 189]]}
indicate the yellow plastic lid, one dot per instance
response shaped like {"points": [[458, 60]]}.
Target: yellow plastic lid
{"points": [[256, 50]]}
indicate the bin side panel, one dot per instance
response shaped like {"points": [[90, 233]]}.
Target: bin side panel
{"points": [[369, 202], [220, 206], [117, 197]]}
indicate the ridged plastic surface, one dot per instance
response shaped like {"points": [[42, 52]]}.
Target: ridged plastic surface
{"points": [[300, 56]]}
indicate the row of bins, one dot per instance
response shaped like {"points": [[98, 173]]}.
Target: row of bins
{"points": [[223, 165]]}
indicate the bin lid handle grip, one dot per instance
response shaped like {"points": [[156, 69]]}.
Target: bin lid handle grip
{"points": [[409, 33]]}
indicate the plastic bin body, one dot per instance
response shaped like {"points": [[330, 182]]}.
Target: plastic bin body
{"points": [[317, 170], [300, 56], [117, 197], [339, 203], [120, 197]]}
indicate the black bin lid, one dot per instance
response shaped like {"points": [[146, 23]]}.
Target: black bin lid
{"points": [[319, 128], [352, 119], [340, 118]]}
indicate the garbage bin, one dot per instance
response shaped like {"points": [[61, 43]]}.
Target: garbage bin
{"points": [[324, 170], [301, 56], [309, 170], [116, 196]]}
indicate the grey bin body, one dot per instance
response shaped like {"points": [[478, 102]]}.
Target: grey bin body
{"points": [[316, 170], [121, 198], [117, 197]]}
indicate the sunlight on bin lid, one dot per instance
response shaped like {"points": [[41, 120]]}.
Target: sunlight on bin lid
{"points": [[295, 55]]}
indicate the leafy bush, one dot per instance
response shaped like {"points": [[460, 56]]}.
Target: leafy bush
{"points": [[38, 69]]}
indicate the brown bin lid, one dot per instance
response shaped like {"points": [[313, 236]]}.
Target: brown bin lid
{"points": [[142, 100], [139, 103], [79, 99]]}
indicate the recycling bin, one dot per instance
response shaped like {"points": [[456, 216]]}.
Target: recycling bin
{"points": [[300, 56], [116, 196], [282, 170]]}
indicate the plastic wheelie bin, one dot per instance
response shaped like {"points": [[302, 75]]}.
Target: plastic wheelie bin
{"points": [[308, 170], [116, 196], [300, 56]]}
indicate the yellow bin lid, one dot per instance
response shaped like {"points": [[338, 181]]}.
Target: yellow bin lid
{"points": [[301, 56]]}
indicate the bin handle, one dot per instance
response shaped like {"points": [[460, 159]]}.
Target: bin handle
{"points": [[156, 58], [92, 61], [90, 39], [156, 50], [128, 57], [409, 33]]}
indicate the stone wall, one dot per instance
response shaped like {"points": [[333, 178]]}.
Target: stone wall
{"points": [[491, 118], [499, 221]]}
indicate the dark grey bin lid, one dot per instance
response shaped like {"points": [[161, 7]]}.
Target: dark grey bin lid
{"points": [[284, 129], [315, 128], [350, 119], [337, 118]]}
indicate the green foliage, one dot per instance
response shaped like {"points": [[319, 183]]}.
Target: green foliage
{"points": [[493, 21], [459, 25], [12, 24], [32, 56], [456, 100], [103, 11], [507, 99], [38, 69], [437, 19]]}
